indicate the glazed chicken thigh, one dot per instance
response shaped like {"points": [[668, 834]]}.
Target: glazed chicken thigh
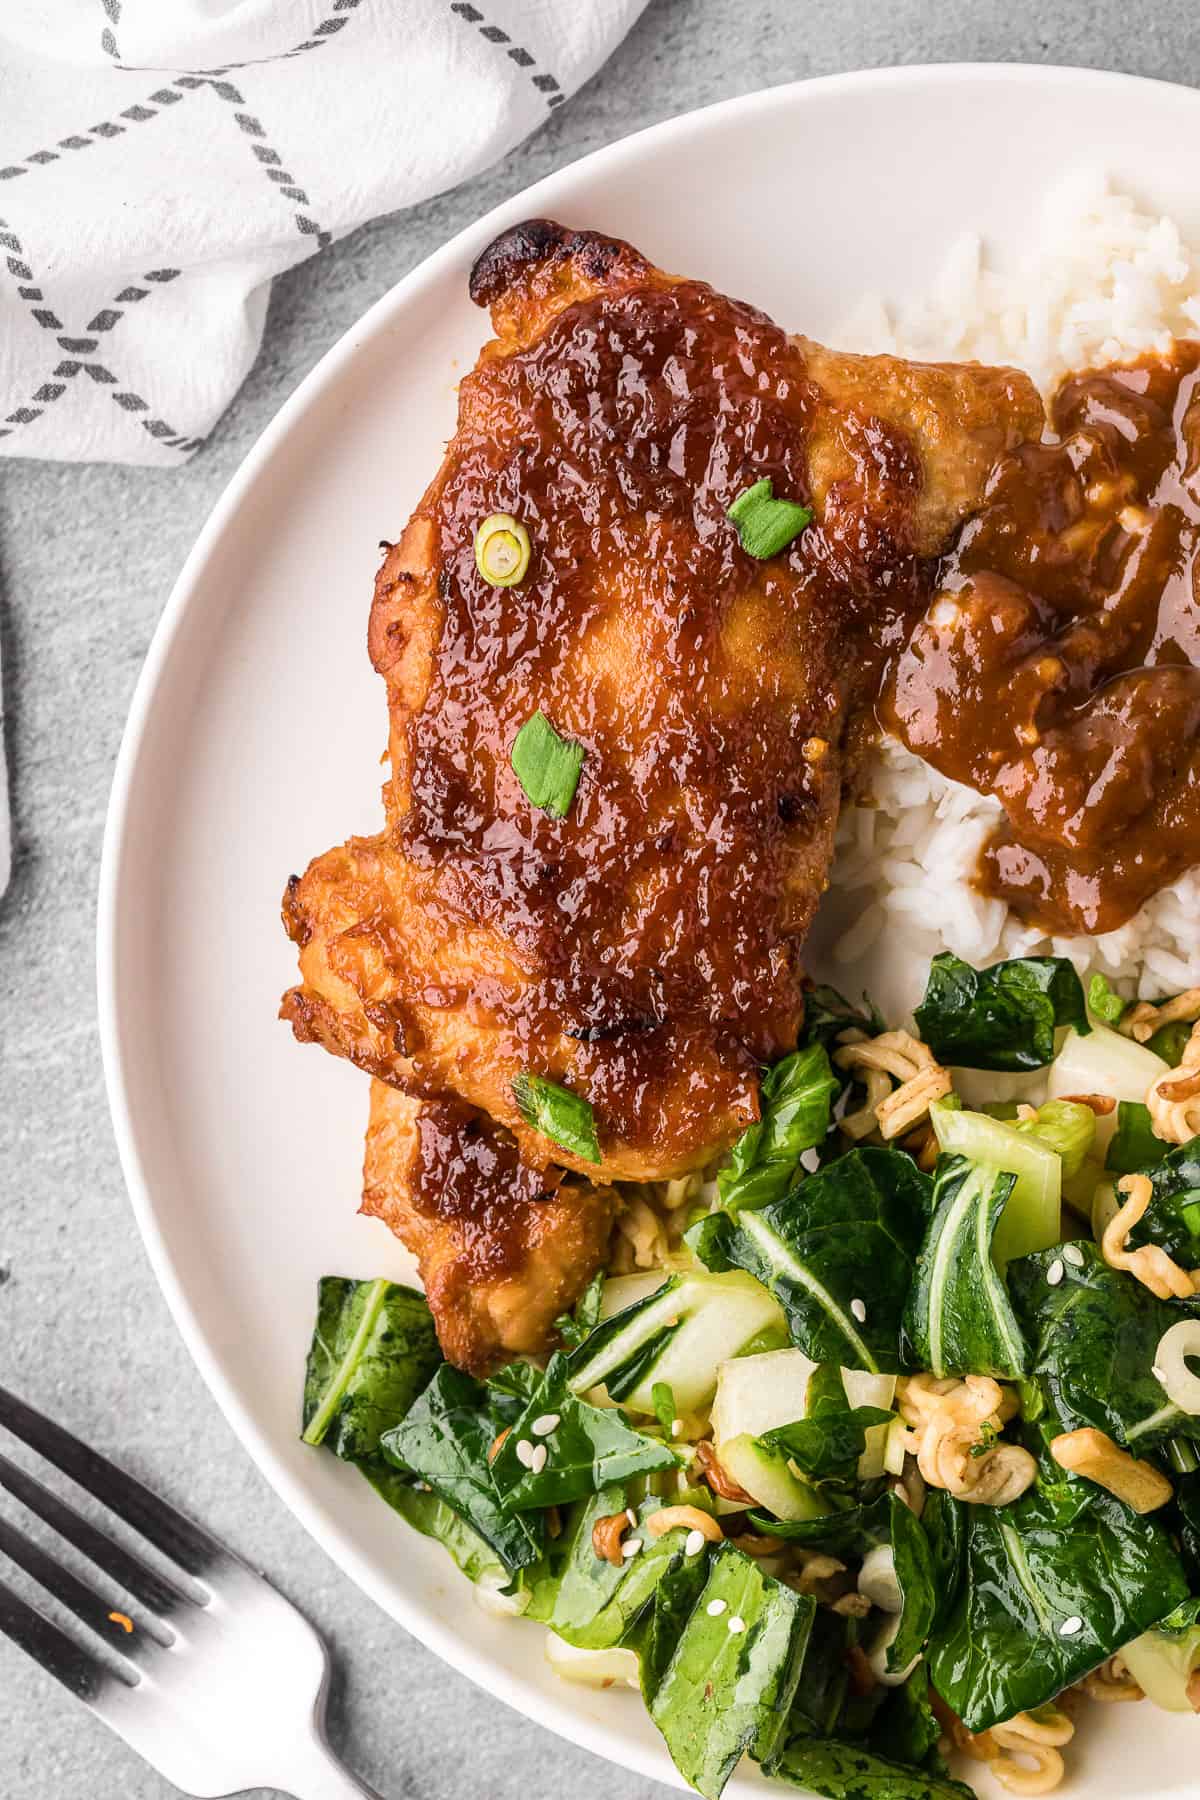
{"points": [[643, 950]]}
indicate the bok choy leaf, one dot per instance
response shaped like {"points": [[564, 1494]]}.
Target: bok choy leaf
{"points": [[858, 1531], [373, 1349], [794, 1101], [1094, 1332], [826, 1445], [1133, 1148], [842, 1770], [590, 1602], [1172, 1219], [1003, 1017], [879, 1747], [723, 1664], [444, 1441], [958, 1320], [429, 1515], [561, 1448], [1053, 1585], [838, 1254]]}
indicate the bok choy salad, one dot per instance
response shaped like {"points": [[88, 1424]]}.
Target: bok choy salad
{"points": [[895, 1455]]}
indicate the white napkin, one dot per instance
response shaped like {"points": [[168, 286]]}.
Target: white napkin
{"points": [[161, 160]]}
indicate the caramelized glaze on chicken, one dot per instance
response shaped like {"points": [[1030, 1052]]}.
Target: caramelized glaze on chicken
{"points": [[643, 951], [502, 1248]]}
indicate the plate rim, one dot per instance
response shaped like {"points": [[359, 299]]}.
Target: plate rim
{"points": [[478, 1666]]}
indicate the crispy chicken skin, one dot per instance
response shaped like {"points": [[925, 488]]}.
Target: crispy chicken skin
{"points": [[502, 1251], [643, 951]]}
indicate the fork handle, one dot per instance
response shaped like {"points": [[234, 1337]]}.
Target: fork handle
{"points": [[320, 1776]]}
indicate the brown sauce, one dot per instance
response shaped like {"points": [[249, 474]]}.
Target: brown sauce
{"points": [[468, 1173], [1058, 665]]}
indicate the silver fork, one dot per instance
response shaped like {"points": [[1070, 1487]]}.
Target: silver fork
{"points": [[222, 1684]]}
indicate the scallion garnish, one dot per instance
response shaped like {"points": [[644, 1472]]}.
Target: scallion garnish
{"points": [[502, 550], [565, 1118], [766, 525], [546, 765]]}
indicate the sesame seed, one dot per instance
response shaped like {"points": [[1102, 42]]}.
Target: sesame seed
{"points": [[693, 1543], [525, 1453], [1071, 1626], [537, 1460], [676, 1427], [1074, 1255], [545, 1425], [630, 1548], [1055, 1272], [631, 1515], [736, 1624], [858, 1308], [1157, 1372], [682, 1482], [715, 1608]]}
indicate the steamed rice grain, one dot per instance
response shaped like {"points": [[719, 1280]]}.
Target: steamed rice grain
{"points": [[1106, 279]]}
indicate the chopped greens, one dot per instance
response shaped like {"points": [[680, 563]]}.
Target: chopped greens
{"points": [[1133, 1146], [373, 1350], [565, 1118], [794, 1099], [547, 766], [766, 525], [861, 1529], [843, 1770], [591, 1602], [837, 1252], [664, 1408], [1003, 1017], [958, 1320], [587, 1489], [1052, 1585], [1172, 1219], [1170, 1041], [574, 1326], [735, 1653], [1093, 1334], [1068, 1128], [826, 1446], [560, 1448], [677, 1334], [445, 1441]]}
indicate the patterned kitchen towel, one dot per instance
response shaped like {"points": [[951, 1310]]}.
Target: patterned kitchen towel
{"points": [[161, 160]]}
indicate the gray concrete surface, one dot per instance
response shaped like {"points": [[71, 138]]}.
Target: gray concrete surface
{"points": [[87, 558]]}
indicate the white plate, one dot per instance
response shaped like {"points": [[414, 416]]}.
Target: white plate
{"points": [[255, 735]]}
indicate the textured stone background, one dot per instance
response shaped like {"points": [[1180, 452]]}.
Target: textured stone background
{"points": [[87, 558]]}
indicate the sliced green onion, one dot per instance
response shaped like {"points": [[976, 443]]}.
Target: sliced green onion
{"points": [[662, 1398], [1170, 1041], [546, 765], [565, 1118], [1103, 1002], [502, 549], [766, 525]]}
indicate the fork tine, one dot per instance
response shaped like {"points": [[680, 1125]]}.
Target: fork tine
{"points": [[126, 1570], [168, 1530], [53, 1649], [92, 1608]]}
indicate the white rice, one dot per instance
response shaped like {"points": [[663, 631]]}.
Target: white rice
{"points": [[1104, 279]]}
